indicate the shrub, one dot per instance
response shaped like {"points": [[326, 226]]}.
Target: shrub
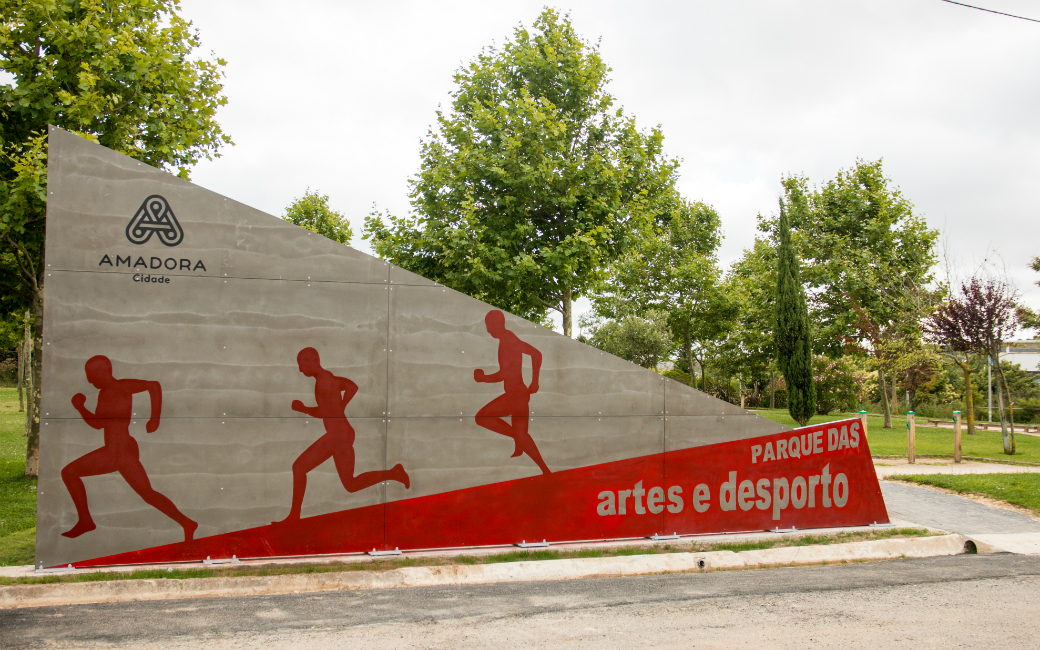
{"points": [[678, 375], [839, 385], [8, 372]]}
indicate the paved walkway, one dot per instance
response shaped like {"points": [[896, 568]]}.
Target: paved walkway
{"points": [[953, 513], [886, 467], [1005, 529]]}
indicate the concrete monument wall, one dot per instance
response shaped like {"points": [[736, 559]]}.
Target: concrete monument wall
{"points": [[218, 381]]}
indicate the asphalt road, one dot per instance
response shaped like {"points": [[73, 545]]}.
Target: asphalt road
{"points": [[962, 601]]}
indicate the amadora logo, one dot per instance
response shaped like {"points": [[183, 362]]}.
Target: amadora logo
{"points": [[155, 217], [170, 264]]}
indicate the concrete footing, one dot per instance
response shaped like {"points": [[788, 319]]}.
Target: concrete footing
{"points": [[16, 596]]}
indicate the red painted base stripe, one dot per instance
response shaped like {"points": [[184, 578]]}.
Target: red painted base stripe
{"points": [[754, 484]]}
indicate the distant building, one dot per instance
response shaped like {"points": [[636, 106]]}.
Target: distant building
{"points": [[1025, 353]]}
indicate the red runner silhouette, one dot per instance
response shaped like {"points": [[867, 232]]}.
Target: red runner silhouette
{"points": [[516, 402], [120, 453], [332, 395]]}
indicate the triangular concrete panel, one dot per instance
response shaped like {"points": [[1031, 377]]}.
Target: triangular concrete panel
{"points": [[217, 312]]}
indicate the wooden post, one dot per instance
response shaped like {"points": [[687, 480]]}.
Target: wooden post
{"points": [[21, 373], [911, 438], [863, 422], [23, 364], [956, 436], [30, 403]]}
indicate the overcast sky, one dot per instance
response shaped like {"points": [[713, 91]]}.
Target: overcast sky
{"points": [[336, 96]]}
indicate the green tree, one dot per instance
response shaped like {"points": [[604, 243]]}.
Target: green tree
{"points": [[978, 321], [312, 211], [644, 341], [867, 261], [533, 183], [951, 327], [861, 245], [750, 346], [1028, 318], [674, 270], [839, 385], [120, 73], [11, 329], [793, 336]]}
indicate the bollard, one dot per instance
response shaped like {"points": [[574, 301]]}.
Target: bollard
{"points": [[911, 438], [956, 436], [863, 422]]}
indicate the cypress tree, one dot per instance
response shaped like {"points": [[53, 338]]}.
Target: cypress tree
{"points": [[793, 338]]}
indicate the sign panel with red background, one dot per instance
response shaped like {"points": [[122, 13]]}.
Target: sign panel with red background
{"points": [[817, 476]]}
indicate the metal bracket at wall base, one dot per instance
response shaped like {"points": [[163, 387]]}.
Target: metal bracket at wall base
{"points": [[778, 529], [231, 560], [527, 544], [662, 538], [877, 525], [374, 552], [57, 569]]}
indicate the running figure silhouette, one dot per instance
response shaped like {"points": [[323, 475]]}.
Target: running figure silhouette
{"points": [[516, 402], [332, 395], [120, 453]]}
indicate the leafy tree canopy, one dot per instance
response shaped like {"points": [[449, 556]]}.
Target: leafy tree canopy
{"points": [[674, 270], [1026, 316], [120, 72], [644, 341], [533, 182], [312, 211], [12, 330], [865, 253], [752, 282]]}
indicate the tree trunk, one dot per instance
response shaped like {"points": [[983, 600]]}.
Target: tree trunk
{"points": [[1009, 437], [1003, 416], [895, 398], [772, 390], [567, 309], [969, 399], [883, 384], [21, 375], [32, 425], [688, 349]]}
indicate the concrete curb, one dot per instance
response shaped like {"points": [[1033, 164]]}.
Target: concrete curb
{"points": [[76, 593]]}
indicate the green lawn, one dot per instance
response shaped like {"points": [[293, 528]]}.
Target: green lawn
{"points": [[1019, 489], [930, 440], [783, 417], [17, 494]]}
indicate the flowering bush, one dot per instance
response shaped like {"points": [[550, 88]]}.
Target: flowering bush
{"points": [[839, 385]]}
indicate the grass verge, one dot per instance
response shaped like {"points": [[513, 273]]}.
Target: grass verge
{"points": [[17, 493], [1022, 490], [225, 571], [930, 440]]}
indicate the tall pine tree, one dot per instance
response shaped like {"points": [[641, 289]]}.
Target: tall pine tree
{"points": [[793, 339]]}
